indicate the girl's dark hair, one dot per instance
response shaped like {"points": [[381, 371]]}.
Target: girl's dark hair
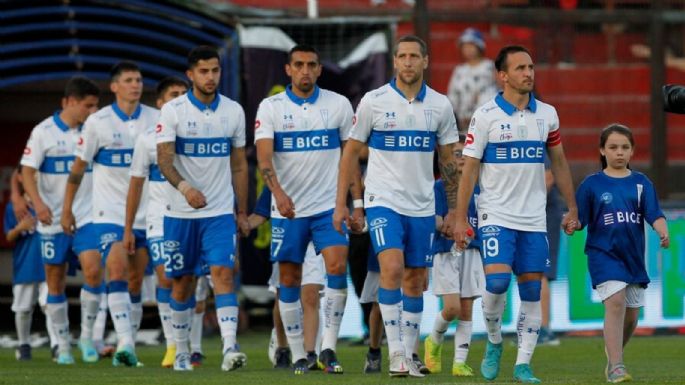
{"points": [[610, 129]]}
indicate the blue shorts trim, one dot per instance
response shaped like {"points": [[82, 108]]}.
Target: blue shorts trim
{"points": [[289, 237], [191, 242], [524, 251], [413, 235], [85, 239]]}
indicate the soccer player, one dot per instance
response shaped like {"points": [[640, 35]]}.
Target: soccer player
{"points": [[298, 134], [458, 280], [201, 152], [615, 204], [313, 280], [28, 274], [107, 142], [151, 200], [47, 158], [402, 122], [505, 151]]}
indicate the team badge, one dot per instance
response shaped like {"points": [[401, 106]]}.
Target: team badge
{"points": [[541, 127], [607, 198], [428, 115], [324, 117]]}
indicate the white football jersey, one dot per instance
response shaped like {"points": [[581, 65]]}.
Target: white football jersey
{"points": [[107, 143], [402, 136], [50, 150], [307, 135], [204, 136], [144, 165], [511, 146]]}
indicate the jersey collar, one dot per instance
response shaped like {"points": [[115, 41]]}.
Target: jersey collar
{"points": [[59, 122], [420, 96], [201, 106], [122, 115], [509, 108], [298, 100]]}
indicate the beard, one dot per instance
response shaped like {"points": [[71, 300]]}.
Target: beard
{"points": [[410, 79], [205, 90], [304, 87]]}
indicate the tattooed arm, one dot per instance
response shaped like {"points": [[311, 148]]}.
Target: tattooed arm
{"points": [[449, 172], [265, 152], [73, 183], [165, 159]]}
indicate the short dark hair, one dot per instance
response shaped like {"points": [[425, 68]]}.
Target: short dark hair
{"points": [[121, 67], [202, 52], [167, 82], [501, 59], [303, 48], [79, 87], [411, 39]]}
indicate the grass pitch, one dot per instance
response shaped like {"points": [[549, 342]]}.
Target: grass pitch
{"points": [[651, 360]]}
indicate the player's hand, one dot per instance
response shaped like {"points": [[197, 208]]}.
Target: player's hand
{"points": [[285, 205], [27, 223], [129, 241], [195, 198], [357, 220], [43, 213], [570, 222], [20, 207], [243, 224], [68, 222], [664, 240], [340, 215], [462, 231], [438, 223], [448, 224]]}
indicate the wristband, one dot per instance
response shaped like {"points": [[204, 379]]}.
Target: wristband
{"points": [[183, 187], [358, 204]]}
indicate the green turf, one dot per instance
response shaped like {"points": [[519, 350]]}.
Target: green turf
{"points": [[651, 360]]}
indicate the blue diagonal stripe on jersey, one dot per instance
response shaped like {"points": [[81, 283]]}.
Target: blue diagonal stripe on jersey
{"points": [[156, 174], [524, 151], [120, 157], [314, 140], [403, 140], [203, 147]]}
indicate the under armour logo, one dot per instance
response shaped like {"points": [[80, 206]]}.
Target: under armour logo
{"points": [[390, 115], [505, 126]]}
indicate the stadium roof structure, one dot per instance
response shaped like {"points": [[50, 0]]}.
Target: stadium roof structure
{"points": [[47, 41]]}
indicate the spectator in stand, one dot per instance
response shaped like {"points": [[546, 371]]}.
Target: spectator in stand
{"points": [[472, 82]]}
